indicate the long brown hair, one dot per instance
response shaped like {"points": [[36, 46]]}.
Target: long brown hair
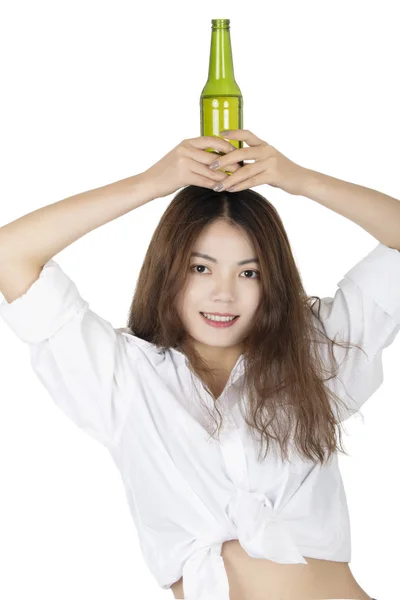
{"points": [[283, 378]]}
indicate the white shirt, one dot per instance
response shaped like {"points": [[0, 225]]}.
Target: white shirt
{"points": [[188, 492]]}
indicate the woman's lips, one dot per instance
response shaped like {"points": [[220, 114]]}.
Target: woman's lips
{"points": [[220, 324]]}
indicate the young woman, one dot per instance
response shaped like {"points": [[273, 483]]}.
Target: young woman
{"points": [[253, 508]]}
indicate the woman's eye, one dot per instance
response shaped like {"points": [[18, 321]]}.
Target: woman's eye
{"points": [[198, 266], [246, 271], [251, 271]]}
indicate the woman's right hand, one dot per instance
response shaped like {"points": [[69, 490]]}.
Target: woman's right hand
{"points": [[188, 164]]}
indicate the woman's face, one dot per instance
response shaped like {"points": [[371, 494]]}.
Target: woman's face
{"points": [[220, 286]]}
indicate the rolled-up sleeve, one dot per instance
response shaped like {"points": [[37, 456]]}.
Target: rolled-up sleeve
{"points": [[365, 311], [78, 356]]}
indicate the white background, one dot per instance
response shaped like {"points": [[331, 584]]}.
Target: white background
{"points": [[94, 92]]}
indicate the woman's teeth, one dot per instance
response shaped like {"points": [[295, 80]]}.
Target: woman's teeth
{"points": [[217, 318]]}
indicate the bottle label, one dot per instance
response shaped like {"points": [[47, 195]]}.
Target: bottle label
{"points": [[219, 113]]}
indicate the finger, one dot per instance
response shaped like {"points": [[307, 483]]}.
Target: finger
{"points": [[243, 135], [235, 157], [204, 171], [246, 177], [205, 158], [203, 181], [229, 168], [212, 141]]}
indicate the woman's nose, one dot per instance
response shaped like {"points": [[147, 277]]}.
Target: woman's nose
{"points": [[224, 290]]}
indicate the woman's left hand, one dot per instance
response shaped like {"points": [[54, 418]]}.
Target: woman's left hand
{"points": [[269, 166]]}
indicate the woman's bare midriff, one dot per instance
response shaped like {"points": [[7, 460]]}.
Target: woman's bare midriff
{"points": [[260, 579]]}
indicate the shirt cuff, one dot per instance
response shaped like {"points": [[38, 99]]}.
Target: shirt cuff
{"points": [[50, 302], [378, 276]]}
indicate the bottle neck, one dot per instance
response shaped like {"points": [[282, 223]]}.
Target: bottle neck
{"points": [[221, 60]]}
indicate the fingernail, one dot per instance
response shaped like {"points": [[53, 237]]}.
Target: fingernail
{"points": [[218, 187], [214, 165], [225, 132]]}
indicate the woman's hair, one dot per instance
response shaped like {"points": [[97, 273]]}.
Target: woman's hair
{"points": [[283, 376]]}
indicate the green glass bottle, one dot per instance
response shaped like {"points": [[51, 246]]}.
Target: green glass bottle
{"points": [[221, 101]]}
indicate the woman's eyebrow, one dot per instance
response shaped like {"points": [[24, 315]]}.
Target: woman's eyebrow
{"points": [[214, 260]]}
